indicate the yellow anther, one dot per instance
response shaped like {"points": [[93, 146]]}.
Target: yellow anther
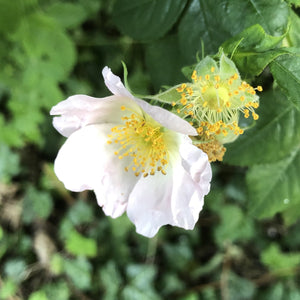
{"points": [[173, 103], [259, 88], [163, 172], [236, 92], [225, 132], [228, 104], [194, 75], [212, 69], [205, 104], [255, 116], [207, 77], [145, 175], [123, 107], [235, 76], [109, 142], [242, 98], [217, 78]]}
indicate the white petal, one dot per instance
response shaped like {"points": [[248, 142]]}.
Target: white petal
{"points": [[114, 83], [166, 118], [80, 110], [149, 204], [86, 161], [174, 199], [196, 163], [162, 116]]}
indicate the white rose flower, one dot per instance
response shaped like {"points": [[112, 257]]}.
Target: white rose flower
{"points": [[136, 157]]}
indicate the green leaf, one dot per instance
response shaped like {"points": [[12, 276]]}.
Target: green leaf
{"points": [[9, 164], [77, 244], [46, 46], [10, 15], [294, 2], [278, 261], [293, 36], [253, 49], [38, 295], [164, 62], [140, 285], [79, 270], [67, 14], [57, 290], [15, 269], [286, 72], [240, 288], [234, 226], [277, 129], [36, 204], [8, 289], [274, 187], [111, 280], [213, 22], [146, 20], [80, 213]]}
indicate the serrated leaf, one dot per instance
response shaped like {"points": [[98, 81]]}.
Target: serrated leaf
{"points": [[77, 244], [275, 186], [275, 134], [214, 22], [286, 72], [147, 20], [253, 49]]}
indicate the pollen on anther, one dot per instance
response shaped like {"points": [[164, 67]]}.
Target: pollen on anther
{"points": [[123, 107]]}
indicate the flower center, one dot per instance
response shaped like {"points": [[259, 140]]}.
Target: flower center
{"points": [[212, 103], [216, 98], [143, 139]]}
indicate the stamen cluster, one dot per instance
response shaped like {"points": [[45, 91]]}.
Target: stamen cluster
{"points": [[143, 139], [215, 99]]}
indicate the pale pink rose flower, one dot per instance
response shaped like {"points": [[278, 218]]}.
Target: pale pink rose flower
{"points": [[136, 157]]}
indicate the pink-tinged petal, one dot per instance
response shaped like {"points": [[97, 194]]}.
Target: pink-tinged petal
{"points": [[86, 161], [79, 110], [196, 163], [149, 204], [162, 116], [114, 83], [166, 118], [176, 198]]}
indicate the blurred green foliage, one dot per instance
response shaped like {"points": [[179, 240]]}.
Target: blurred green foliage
{"points": [[58, 245]]}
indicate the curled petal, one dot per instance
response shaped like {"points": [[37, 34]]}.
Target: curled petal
{"points": [[196, 164], [162, 116], [79, 110], [114, 83]]}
